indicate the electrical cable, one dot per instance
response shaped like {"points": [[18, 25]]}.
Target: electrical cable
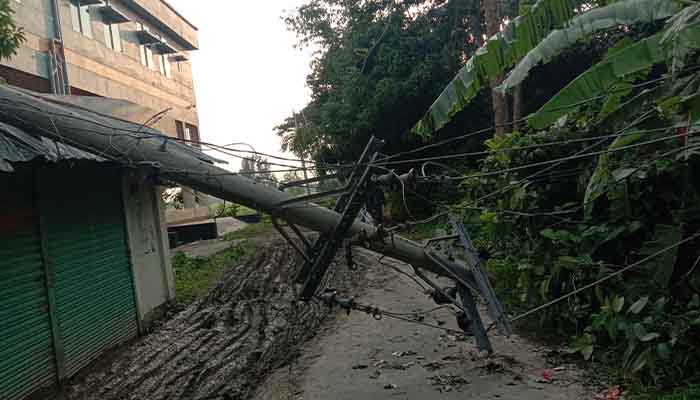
{"points": [[534, 146], [604, 279], [295, 169], [564, 159], [551, 167], [555, 161], [524, 119], [377, 313], [404, 273], [447, 141]]}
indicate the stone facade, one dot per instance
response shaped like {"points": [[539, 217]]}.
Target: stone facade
{"points": [[96, 66]]}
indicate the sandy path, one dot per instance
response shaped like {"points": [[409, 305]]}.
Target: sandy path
{"points": [[358, 358]]}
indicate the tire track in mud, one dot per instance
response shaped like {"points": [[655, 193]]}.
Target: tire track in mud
{"points": [[222, 346]]}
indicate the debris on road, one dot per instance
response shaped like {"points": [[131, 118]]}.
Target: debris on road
{"points": [[614, 393], [408, 365], [383, 364], [433, 366], [492, 367], [448, 382], [547, 377]]}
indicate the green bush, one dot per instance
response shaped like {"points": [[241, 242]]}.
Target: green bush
{"points": [[194, 276], [227, 210], [552, 234]]}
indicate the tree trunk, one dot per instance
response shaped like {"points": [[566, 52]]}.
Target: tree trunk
{"points": [[517, 108], [518, 93], [498, 100]]}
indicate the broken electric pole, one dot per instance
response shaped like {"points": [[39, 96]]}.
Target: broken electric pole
{"points": [[138, 146]]}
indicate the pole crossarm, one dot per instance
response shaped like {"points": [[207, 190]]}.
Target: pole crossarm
{"points": [[285, 185], [348, 206]]}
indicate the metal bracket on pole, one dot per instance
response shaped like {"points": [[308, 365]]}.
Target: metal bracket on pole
{"points": [[477, 324], [469, 307], [494, 307], [470, 284], [349, 206], [314, 196], [285, 185], [291, 242]]}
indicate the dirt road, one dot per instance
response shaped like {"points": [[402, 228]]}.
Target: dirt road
{"points": [[235, 342], [361, 358]]}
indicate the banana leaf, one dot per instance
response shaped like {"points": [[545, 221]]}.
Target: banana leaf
{"points": [[625, 12], [500, 52], [598, 80]]}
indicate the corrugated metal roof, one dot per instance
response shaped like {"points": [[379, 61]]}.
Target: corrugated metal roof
{"points": [[17, 146]]}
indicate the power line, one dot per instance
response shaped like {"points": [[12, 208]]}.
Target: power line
{"points": [[551, 167], [138, 134], [381, 163], [404, 273], [533, 146], [604, 279], [569, 158]]}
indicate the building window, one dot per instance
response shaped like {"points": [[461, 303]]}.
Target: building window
{"points": [[164, 63], [80, 16], [145, 50], [180, 127], [113, 38], [192, 134]]}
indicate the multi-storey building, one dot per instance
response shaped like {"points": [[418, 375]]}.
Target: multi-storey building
{"points": [[84, 258], [133, 50]]}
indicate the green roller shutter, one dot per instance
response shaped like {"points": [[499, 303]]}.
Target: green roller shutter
{"points": [[83, 223], [27, 361]]}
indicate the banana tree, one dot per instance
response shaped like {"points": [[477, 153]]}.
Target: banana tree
{"points": [[550, 27]]}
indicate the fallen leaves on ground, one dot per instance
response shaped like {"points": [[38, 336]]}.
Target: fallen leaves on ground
{"points": [[614, 393], [447, 382]]}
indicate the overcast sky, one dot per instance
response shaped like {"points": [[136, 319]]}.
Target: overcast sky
{"points": [[248, 76]]}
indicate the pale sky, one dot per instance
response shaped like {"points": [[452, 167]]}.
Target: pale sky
{"points": [[248, 76]]}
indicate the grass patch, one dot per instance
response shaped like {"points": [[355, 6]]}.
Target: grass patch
{"points": [[250, 230], [194, 276], [243, 210], [691, 392]]}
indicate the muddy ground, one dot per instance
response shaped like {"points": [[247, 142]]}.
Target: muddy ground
{"points": [[223, 345], [238, 343]]}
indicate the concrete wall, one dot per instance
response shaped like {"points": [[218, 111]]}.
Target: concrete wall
{"points": [[96, 69], [175, 217], [164, 15], [154, 279]]}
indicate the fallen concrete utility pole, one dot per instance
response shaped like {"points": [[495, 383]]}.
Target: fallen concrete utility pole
{"points": [[136, 145], [139, 146]]}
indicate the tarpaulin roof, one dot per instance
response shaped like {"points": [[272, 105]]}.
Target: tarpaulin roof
{"points": [[23, 144], [17, 146]]}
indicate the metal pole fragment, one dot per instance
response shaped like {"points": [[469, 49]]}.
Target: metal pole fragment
{"points": [[482, 280]]}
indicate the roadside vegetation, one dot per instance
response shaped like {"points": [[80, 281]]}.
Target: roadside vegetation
{"points": [[195, 276], [587, 187], [251, 231], [11, 35]]}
